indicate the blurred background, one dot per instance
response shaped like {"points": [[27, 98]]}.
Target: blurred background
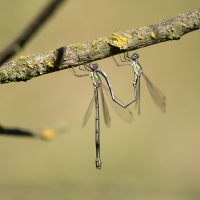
{"points": [[155, 157]]}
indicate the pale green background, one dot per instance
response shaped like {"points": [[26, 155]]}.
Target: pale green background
{"points": [[155, 157]]}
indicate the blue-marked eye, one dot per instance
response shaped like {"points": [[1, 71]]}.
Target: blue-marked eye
{"points": [[135, 56]]}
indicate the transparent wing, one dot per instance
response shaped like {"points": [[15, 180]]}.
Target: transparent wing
{"points": [[88, 112], [124, 113], [157, 96], [106, 114]]}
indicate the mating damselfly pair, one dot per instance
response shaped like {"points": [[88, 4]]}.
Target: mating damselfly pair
{"points": [[121, 109]]}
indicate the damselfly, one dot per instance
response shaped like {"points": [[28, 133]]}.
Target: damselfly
{"points": [[156, 94], [124, 113]]}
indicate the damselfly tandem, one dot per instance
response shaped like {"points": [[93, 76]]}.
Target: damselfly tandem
{"points": [[156, 94], [124, 113]]}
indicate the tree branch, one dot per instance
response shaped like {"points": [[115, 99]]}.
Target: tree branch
{"points": [[46, 134], [26, 35], [30, 66]]}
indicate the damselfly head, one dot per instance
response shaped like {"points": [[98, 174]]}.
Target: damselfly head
{"points": [[94, 66], [135, 56]]}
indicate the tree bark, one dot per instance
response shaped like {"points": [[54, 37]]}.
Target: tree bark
{"points": [[30, 66]]}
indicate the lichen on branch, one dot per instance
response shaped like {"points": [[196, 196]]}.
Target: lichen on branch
{"points": [[30, 66]]}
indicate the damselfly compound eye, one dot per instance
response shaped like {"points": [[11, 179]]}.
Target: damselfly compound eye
{"points": [[135, 56], [95, 65]]}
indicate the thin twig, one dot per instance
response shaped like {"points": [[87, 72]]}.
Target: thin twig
{"points": [[46, 134], [27, 67], [26, 35]]}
